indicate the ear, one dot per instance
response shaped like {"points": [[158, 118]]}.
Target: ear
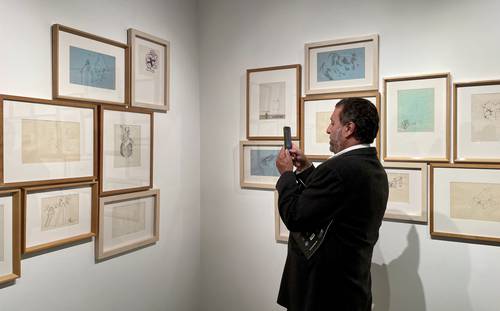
{"points": [[349, 129]]}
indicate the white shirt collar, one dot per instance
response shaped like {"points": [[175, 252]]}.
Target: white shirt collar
{"points": [[359, 146]]}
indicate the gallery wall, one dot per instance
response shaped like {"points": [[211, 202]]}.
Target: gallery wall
{"points": [[163, 276], [241, 262]]}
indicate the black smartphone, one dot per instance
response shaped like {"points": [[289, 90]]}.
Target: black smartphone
{"points": [[287, 137]]}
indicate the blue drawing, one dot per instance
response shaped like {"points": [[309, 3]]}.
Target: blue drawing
{"points": [[346, 64], [263, 162], [91, 68]]}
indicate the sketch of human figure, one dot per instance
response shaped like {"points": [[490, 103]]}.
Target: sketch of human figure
{"points": [[2, 233], [59, 211], [345, 64], [127, 145], [485, 117], [399, 187], [477, 201], [272, 100], [128, 219], [91, 68], [263, 162]]}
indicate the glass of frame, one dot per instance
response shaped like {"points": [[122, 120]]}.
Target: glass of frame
{"points": [[86, 67], [465, 201], [126, 150], [47, 141], [342, 65], [127, 221], [407, 191], [150, 71], [10, 235], [273, 99], [476, 126], [59, 214], [315, 119], [417, 122], [281, 233]]}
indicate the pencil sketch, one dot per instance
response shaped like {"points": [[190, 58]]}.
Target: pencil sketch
{"points": [[127, 145], [128, 218], [475, 201], [345, 64], [60, 211], [45, 141], [263, 162], [322, 122], [272, 100], [91, 68], [2, 233], [485, 117], [416, 110], [399, 187], [149, 60]]}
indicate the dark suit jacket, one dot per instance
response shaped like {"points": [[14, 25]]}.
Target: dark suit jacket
{"points": [[352, 190]]}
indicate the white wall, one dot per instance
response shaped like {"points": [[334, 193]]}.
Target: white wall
{"points": [[241, 263], [164, 276]]}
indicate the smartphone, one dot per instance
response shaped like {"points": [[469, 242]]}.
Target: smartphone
{"points": [[287, 137]]}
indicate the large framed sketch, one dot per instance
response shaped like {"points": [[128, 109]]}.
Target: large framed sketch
{"points": [[47, 141], [417, 118], [476, 123], [273, 99], [127, 222], [316, 111], [150, 71], [465, 202], [10, 235], [407, 191], [59, 214], [126, 151], [343, 65], [86, 67], [281, 232]]}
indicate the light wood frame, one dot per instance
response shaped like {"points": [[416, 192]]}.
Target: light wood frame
{"points": [[278, 236], [16, 235]]}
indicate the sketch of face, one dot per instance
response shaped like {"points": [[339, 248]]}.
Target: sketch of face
{"points": [[334, 129]]}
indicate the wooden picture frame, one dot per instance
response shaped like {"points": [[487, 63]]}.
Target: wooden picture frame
{"points": [[46, 141], [281, 233], [57, 215], [149, 70], [89, 68], [10, 235], [476, 122], [342, 65], [272, 102], [122, 234], [417, 118]]}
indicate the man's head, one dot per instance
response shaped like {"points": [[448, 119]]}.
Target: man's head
{"points": [[354, 121]]}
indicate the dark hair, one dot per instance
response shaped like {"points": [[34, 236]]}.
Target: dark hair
{"points": [[363, 113]]}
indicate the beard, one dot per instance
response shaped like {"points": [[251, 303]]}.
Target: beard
{"points": [[335, 141]]}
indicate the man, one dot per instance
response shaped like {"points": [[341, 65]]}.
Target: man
{"points": [[333, 213]]}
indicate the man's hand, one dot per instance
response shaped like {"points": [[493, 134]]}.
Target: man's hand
{"points": [[300, 161], [284, 161]]}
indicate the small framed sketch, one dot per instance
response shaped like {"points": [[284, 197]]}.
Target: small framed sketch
{"points": [[127, 221], [86, 67], [150, 71], [258, 164], [59, 214], [315, 119], [281, 233], [10, 235], [46, 141], [273, 98], [465, 202], [126, 150], [476, 126], [407, 191], [342, 65], [417, 122]]}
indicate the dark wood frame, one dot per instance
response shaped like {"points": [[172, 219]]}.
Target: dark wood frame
{"points": [[55, 103], [56, 28], [16, 235], [101, 149], [56, 243], [298, 73]]}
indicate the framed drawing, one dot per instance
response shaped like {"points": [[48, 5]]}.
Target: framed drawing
{"points": [[10, 235], [342, 65], [315, 119], [126, 151], [465, 202], [47, 141], [150, 71], [476, 126], [258, 163], [273, 97], [407, 191], [127, 221], [417, 118], [86, 67], [280, 231], [57, 215]]}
